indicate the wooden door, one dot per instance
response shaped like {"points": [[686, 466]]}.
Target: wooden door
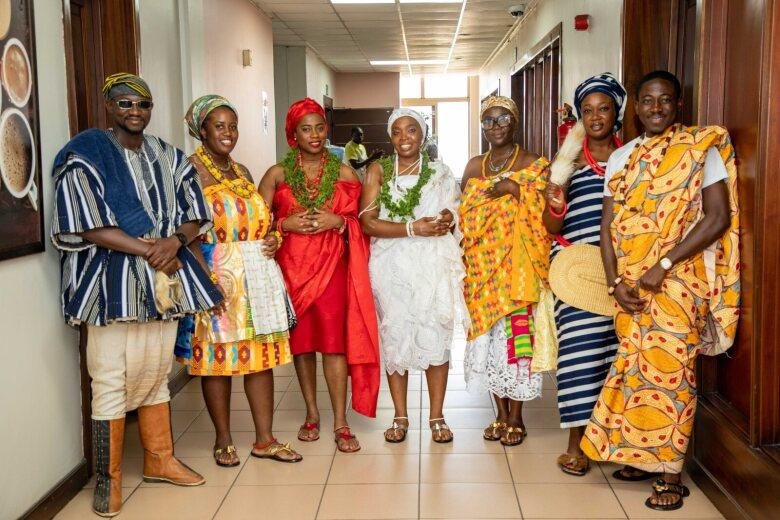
{"points": [[101, 38], [728, 67], [536, 91]]}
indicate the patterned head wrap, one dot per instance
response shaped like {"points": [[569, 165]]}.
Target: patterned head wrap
{"points": [[124, 83], [500, 101], [201, 108], [606, 84], [296, 112], [406, 112]]}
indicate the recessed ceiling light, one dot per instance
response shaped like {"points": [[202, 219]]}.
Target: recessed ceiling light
{"points": [[408, 62]]}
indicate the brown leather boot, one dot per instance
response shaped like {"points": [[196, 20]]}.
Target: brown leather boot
{"points": [[154, 423], [108, 439]]}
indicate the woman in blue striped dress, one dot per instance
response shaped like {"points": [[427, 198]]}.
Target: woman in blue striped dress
{"points": [[587, 341]]}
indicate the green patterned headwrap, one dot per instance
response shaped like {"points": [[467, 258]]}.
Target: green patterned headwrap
{"points": [[200, 110], [123, 83]]}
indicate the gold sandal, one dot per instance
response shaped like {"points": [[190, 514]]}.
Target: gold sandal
{"points": [[230, 450], [272, 450], [495, 431], [395, 428], [513, 429]]}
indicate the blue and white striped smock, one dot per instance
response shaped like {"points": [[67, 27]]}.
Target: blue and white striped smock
{"points": [[586, 341], [100, 286]]}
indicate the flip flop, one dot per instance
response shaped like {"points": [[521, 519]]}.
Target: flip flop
{"points": [[396, 427], [662, 487], [344, 433], [645, 475], [230, 449], [577, 465]]}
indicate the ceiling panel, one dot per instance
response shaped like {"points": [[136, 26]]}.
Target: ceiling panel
{"points": [[346, 36]]}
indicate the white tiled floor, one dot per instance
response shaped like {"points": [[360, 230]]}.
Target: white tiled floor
{"points": [[469, 478]]}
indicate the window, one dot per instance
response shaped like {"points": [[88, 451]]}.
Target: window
{"points": [[411, 87]]}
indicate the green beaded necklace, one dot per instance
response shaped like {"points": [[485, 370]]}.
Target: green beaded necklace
{"points": [[310, 199]]}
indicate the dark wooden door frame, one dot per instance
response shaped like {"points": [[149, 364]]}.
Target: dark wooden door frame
{"points": [[517, 88]]}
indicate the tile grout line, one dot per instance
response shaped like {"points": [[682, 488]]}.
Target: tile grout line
{"points": [[230, 488], [614, 493], [419, 457]]}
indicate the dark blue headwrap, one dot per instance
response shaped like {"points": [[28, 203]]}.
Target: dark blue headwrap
{"points": [[606, 84]]}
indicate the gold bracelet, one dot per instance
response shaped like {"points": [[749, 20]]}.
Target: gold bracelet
{"points": [[278, 236], [213, 277]]}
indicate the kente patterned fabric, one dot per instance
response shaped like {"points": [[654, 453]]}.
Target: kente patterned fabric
{"points": [[499, 101], [586, 341], [607, 84], [251, 334], [100, 285], [506, 247], [201, 108], [520, 334], [123, 83], [331, 292], [644, 415]]}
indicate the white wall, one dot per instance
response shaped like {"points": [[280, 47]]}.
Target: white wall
{"points": [[244, 26], [583, 53], [160, 61], [40, 396], [320, 79]]}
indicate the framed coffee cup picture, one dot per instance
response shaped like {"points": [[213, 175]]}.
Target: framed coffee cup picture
{"points": [[21, 203]]}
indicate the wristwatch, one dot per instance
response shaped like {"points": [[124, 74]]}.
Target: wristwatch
{"points": [[182, 238], [665, 264]]}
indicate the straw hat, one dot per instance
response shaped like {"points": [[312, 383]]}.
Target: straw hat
{"points": [[577, 278]]}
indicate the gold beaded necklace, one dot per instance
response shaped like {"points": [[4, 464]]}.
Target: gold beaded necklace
{"points": [[240, 186]]}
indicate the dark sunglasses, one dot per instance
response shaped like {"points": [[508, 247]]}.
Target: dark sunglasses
{"points": [[502, 121], [126, 104]]}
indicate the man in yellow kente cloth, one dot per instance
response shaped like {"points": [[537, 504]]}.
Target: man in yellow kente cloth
{"points": [[670, 245]]}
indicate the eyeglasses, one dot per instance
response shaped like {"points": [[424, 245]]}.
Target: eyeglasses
{"points": [[126, 104], [502, 121]]}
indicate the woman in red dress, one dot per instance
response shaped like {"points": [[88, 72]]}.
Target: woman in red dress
{"points": [[324, 259]]}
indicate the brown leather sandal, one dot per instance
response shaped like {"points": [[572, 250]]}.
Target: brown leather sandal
{"points": [[577, 465]]}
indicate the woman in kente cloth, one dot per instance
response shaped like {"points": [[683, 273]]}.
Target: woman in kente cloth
{"points": [[670, 247], [507, 256], [586, 341], [408, 205], [248, 335], [324, 258]]}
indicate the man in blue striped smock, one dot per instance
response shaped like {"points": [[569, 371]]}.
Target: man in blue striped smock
{"points": [[126, 206]]}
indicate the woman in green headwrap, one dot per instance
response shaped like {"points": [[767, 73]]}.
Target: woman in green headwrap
{"points": [[249, 334]]}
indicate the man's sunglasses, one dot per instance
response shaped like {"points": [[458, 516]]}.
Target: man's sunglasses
{"points": [[502, 121], [126, 104]]}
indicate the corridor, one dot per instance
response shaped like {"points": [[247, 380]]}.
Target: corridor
{"points": [[470, 478]]}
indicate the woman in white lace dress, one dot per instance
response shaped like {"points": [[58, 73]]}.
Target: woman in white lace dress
{"points": [[408, 205]]}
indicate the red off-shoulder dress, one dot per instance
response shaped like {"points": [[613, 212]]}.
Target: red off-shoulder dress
{"points": [[327, 278]]}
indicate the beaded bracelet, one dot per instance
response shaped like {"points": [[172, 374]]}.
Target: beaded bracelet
{"points": [[614, 285]]}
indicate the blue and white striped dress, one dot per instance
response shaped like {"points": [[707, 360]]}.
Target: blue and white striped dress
{"points": [[586, 341], [101, 286]]}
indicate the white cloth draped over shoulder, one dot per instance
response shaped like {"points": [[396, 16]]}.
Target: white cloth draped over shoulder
{"points": [[418, 281]]}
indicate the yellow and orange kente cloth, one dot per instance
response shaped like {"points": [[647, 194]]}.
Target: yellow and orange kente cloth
{"points": [[227, 343], [644, 415], [506, 247]]}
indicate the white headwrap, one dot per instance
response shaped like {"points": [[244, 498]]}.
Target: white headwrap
{"points": [[407, 112]]}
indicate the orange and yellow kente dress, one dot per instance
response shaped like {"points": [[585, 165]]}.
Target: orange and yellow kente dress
{"points": [[644, 415], [252, 333], [506, 251]]}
